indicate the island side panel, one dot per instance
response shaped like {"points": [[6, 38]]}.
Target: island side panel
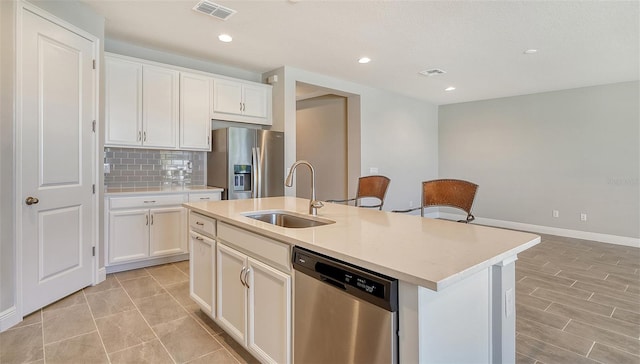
{"points": [[503, 278], [448, 326]]}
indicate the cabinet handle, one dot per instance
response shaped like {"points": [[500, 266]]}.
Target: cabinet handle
{"points": [[199, 223], [151, 219], [150, 201], [144, 136], [139, 135], [246, 275], [204, 198], [147, 223], [198, 238], [241, 272], [241, 106], [244, 106], [208, 140]]}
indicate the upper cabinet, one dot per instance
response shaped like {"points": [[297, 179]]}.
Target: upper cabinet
{"points": [[196, 98], [152, 105], [242, 101], [142, 105], [123, 110]]}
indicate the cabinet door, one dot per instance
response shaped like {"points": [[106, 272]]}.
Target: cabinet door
{"points": [[195, 111], [269, 310], [231, 294], [227, 97], [201, 256], [123, 102], [254, 101], [168, 231], [128, 235], [160, 107]]}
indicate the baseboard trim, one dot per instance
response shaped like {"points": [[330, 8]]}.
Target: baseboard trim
{"points": [[9, 318], [145, 263], [604, 238]]}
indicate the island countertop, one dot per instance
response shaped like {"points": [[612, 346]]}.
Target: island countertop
{"points": [[423, 251]]}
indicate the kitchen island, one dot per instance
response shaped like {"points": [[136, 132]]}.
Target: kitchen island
{"points": [[456, 281]]}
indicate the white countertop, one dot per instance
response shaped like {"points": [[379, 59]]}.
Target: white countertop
{"points": [[426, 252], [159, 190]]}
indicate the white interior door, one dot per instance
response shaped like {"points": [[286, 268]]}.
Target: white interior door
{"points": [[56, 166]]}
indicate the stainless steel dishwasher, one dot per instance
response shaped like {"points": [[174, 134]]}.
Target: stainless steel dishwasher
{"points": [[342, 313]]}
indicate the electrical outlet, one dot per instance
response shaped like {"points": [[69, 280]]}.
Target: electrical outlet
{"points": [[583, 217], [509, 303], [107, 168], [410, 204], [556, 213]]}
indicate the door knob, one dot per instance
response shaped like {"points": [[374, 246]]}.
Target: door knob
{"points": [[31, 200]]}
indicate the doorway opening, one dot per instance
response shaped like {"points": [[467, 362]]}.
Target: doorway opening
{"points": [[323, 138]]}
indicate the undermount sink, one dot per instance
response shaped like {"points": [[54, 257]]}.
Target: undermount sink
{"points": [[288, 219]]}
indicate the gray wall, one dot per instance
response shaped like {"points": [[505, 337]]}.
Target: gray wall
{"points": [[575, 151], [321, 138], [395, 133]]}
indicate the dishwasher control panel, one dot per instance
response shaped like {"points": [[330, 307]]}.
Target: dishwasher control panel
{"points": [[370, 286]]}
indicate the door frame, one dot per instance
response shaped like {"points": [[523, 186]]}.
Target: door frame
{"points": [[23, 6]]}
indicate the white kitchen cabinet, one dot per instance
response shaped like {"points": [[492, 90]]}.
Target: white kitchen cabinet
{"points": [[269, 312], [166, 231], [242, 101], [145, 227], [231, 291], [160, 103], [123, 102], [128, 235], [196, 100], [142, 104], [202, 253], [201, 283], [254, 304]]}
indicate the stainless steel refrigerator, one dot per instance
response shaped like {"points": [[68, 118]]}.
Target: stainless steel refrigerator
{"points": [[247, 163]]}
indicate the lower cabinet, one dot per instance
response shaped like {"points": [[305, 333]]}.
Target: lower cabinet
{"points": [[202, 253], [254, 304], [202, 263], [142, 233], [145, 227]]}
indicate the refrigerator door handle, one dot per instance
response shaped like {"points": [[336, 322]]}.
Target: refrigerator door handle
{"points": [[254, 173], [259, 170]]}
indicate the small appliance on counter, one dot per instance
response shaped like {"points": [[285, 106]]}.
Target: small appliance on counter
{"points": [[247, 163]]}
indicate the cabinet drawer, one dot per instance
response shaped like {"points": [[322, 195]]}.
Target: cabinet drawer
{"points": [[200, 197], [270, 251], [202, 224], [149, 201]]}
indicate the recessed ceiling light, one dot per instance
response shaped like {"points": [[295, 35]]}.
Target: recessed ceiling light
{"points": [[364, 60], [530, 51], [225, 38], [450, 88]]}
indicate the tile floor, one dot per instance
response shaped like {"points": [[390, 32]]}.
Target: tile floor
{"points": [[578, 301], [139, 316]]}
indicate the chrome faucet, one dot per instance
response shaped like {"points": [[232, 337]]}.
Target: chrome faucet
{"points": [[314, 205]]}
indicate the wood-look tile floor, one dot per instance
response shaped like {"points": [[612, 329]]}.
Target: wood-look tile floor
{"points": [[138, 316], [578, 301]]}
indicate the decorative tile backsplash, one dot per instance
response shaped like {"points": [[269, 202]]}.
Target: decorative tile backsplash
{"points": [[150, 168]]}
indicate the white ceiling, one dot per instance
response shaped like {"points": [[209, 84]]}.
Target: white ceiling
{"points": [[479, 43]]}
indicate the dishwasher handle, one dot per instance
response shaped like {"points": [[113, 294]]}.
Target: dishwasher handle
{"points": [[330, 281]]}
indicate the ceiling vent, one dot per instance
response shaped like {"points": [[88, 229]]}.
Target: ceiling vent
{"points": [[432, 72], [214, 10]]}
